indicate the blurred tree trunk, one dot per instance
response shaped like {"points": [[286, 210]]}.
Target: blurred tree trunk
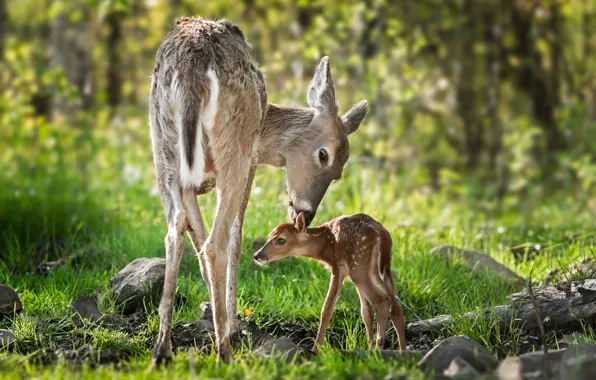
{"points": [[72, 53], [113, 42], [542, 84], [3, 27], [174, 5], [466, 94]]}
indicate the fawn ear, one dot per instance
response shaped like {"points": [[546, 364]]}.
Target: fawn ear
{"points": [[321, 93], [355, 116], [300, 223]]}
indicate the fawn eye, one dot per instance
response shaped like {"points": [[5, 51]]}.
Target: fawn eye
{"points": [[323, 155], [281, 241]]}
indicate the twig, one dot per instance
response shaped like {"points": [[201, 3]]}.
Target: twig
{"points": [[541, 327]]}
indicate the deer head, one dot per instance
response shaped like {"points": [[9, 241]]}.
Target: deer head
{"points": [[286, 240], [317, 154]]}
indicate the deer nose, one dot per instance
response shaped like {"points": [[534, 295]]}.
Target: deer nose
{"points": [[308, 215]]}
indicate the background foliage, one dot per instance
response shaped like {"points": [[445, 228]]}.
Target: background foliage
{"points": [[490, 99]]}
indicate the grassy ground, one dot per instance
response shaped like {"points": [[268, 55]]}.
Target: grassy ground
{"points": [[106, 224]]}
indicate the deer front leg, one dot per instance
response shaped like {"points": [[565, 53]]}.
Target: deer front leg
{"points": [[174, 242], [234, 253], [334, 288]]}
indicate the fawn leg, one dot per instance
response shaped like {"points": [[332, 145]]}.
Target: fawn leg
{"points": [[367, 317], [174, 242], [334, 287], [196, 231], [235, 251], [397, 317], [380, 302]]}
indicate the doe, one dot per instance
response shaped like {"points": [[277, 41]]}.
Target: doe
{"points": [[355, 246]]}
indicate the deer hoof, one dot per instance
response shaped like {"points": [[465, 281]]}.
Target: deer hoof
{"points": [[162, 354], [224, 352]]}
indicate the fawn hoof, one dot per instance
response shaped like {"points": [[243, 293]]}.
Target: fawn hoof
{"points": [[224, 351]]}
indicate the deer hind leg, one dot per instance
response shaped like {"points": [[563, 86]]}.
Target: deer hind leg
{"points": [[380, 302], [367, 317], [174, 242], [234, 253], [397, 317], [196, 231]]}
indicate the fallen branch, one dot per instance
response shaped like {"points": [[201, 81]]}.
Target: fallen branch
{"points": [[562, 305]]}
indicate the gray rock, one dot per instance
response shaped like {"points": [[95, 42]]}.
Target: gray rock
{"points": [[460, 369], [10, 304], [533, 363], [509, 369], [440, 357], [479, 262], [579, 362], [6, 338], [86, 307], [279, 346], [140, 282]]}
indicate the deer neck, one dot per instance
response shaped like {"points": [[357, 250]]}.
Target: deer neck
{"points": [[283, 126], [322, 243]]}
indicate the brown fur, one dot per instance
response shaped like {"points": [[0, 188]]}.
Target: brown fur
{"points": [[357, 247], [245, 131]]}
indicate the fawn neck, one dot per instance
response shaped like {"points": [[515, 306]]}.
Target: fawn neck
{"points": [[283, 125], [322, 243]]}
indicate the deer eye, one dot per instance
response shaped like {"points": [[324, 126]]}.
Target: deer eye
{"points": [[281, 241], [323, 155]]}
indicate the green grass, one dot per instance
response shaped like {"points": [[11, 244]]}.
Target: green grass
{"points": [[109, 223]]}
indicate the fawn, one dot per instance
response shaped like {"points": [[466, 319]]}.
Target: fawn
{"points": [[356, 246]]}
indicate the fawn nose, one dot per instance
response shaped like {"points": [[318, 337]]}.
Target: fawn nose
{"points": [[258, 257]]}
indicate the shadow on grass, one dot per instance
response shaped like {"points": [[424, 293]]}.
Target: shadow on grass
{"points": [[45, 220]]}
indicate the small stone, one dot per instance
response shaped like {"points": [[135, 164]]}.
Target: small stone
{"points": [[479, 262], [460, 369], [6, 339], [86, 307], [206, 311], [10, 304], [140, 282], [569, 340], [579, 362], [281, 346], [509, 369], [440, 357]]}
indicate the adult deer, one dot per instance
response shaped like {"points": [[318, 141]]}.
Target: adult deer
{"points": [[211, 126]]}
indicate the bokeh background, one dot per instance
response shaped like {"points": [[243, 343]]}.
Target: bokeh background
{"points": [[486, 107]]}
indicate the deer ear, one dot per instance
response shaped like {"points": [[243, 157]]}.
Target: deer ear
{"points": [[321, 93], [354, 116], [300, 223]]}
